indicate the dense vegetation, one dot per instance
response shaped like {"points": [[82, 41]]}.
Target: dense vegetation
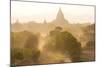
{"points": [[24, 48], [58, 46], [64, 42]]}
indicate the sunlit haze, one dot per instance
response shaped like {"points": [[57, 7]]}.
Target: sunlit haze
{"points": [[30, 11]]}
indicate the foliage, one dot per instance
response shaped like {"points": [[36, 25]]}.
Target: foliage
{"points": [[24, 46], [63, 41], [17, 54], [90, 45], [31, 42]]}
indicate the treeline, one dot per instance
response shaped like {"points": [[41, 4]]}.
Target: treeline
{"points": [[64, 43], [24, 48], [25, 51]]}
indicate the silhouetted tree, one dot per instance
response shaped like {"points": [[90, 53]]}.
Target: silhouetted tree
{"points": [[35, 56], [64, 42], [90, 45], [59, 29], [24, 47], [31, 50], [17, 54], [32, 42], [72, 45]]}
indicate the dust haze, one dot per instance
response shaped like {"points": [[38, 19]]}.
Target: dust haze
{"points": [[49, 42]]}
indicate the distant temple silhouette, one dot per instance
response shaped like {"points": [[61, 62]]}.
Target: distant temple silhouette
{"points": [[60, 17], [46, 27], [41, 27]]}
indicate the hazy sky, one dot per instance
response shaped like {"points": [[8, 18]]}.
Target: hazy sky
{"points": [[30, 11]]}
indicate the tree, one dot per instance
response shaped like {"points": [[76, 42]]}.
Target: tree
{"points": [[32, 42], [90, 45], [24, 45], [35, 56], [31, 51], [17, 54], [63, 41], [72, 45]]}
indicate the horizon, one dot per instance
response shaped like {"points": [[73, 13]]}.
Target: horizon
{"points": [[26, 12]]}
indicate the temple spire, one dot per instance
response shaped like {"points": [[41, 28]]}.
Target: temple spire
{"points": [[17, 21], [60, 15], [60, 19], [44, 21]]}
